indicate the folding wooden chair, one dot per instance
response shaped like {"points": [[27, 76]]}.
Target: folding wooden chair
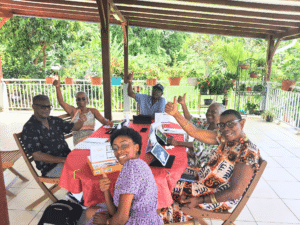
{"points": [[228, 217], [39, 179], [67, 118], [8, 159]]}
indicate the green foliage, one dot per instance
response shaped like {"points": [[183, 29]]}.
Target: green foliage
{"points": [[250, 106], [268, 113], [259, 88]]}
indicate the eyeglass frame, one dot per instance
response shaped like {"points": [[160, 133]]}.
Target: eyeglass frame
{"points": [[226, 124], [157, 90], [115, 150], [79, 99], [43, 107]]}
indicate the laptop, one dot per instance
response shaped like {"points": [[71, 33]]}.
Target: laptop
{"points": [[142, 119], [161, 157]]}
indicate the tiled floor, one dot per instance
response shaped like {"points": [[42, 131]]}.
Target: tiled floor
{"points": [[276, 199]]}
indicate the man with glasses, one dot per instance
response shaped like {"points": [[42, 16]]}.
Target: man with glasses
{"points": [[43, 137], [148, 104]]}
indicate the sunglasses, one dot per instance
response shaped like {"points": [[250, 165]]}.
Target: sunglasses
{"points": [[229, 124], [43, 107], [79, 99], [157, 90]]}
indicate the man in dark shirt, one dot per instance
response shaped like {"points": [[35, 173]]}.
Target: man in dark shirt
{"points": [[43, 137]]}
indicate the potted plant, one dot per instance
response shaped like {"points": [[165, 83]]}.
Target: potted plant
{"points": [[174, 77], [261, 63], [95, 80], [207, 101], [253, 74], [50, 79], [290, 80], [227, 85], [151, 75], [69, 75], [258, 88], [251, 107], [268, 115], [231, 76], [249, 88], [203, 86], [243, 87], [244, 66], [192, 77]]}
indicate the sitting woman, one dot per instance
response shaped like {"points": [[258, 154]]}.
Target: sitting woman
{"points": [[222, 181], [198, 153], [90, 113], [135, 195]]}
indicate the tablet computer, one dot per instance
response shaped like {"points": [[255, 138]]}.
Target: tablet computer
{"points": [[161, 136], [160, 154]]}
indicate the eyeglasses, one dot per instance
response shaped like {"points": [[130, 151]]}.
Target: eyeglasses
{"points": [[79, 99], [229, 124], [43, 107], [157, 90], [122, 147]]}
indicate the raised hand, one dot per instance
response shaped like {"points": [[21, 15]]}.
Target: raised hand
{"points": [[171, 107], [181, 100], [104, 181], [56, 83], [129, 78], [109, 123]]}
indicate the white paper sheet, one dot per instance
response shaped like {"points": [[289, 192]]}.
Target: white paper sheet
{"points": [[90, 142], [174, 131]]}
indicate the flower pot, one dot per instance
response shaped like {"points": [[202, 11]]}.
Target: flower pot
{"points": [[288, 85], [174, 81], [249, 88], [220, 92], [50, 80], [269, 118], [116, 80], [224, 102], [151, 82], [244, 66], [203, 91], [233, 81], [69, 80], [212, 91], [253, 75], [225, 90], [192, 81], [287, 118], [96, 80], [207, 101]]}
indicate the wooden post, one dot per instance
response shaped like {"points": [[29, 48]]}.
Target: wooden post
{"points": [[270, 53], [4, 210], [104, 12]]}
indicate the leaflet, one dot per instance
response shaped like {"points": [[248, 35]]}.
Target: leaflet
{"points": [[90, 142]]}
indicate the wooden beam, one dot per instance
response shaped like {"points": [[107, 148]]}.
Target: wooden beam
{"points": [[4, 209], [240, 12], [288, 33], [105, 45], [196, 30], [272, 46], [102, 14], [114, 10], [126, 63], [209, 26], [230, 18], [5, 14], [204, 21]]}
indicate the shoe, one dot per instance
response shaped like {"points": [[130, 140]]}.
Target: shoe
{"points": [[71, 198]]}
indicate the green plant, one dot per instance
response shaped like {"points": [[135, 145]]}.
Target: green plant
{"points": [[251, 106], [230, 76], [192, 73], [261, 63], [243, 87], [227, 85], [268, 113], [259, 88]]}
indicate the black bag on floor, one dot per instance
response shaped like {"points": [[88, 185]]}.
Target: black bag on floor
{"points": [[61, 212]]}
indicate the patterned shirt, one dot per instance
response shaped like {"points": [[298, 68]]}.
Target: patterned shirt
{"points": [[38, 138], [201, 150], [146, 106]]}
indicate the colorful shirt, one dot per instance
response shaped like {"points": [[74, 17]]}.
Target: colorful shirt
{"points": [[213, 177], [146, 106], [136, 178], [201, 151], [86, 130], [38, 138]]}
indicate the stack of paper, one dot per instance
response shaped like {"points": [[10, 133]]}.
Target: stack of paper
{"points": [[174, 131], [90, 142]]}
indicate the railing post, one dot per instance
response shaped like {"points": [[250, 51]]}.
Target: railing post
{"points": [[267, 95], [3, 98], [126, 98]]}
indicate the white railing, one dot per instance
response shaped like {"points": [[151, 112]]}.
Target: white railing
{"points": [[285, 105]]}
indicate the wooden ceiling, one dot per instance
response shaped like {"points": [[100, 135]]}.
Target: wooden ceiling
{"points": [[243, 18]]}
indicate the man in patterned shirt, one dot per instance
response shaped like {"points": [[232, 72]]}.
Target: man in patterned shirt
{"points": [[43, 137]]}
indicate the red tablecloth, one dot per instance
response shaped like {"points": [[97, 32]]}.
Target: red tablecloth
{"points": [[77, 177]]}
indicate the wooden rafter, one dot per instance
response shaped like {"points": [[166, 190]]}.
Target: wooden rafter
{"points": [[5, 14], [272, 46], [102, 14], [240, 12], [115, 11], [203, 21], [229, 18], [288, 33]]}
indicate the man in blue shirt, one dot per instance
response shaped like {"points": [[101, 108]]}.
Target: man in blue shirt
{"points": [[149, 105]]}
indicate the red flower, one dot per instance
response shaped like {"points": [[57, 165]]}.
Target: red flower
{"points": [[201, 85], [208, 83]]}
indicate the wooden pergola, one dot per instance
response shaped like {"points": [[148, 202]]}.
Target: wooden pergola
{"points": [[273, 21]]}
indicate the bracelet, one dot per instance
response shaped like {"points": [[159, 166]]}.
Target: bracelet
{"points": [[213, 199], [186, 124], [203, 199]]}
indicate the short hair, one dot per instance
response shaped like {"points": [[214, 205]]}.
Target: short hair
{"points": [[40, 98], [220, 106], [81, 92], [232, 112], [128, 132]]}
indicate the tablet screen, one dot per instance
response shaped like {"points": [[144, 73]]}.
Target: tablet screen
{"points": [[160, 154], [161, 136]]}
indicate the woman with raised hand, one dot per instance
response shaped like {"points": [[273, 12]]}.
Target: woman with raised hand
{"points": [[221, 182], [90, 113], [135, 196], [198, 152]]}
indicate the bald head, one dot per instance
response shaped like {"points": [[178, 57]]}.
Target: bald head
{"points": [[220, 107]]}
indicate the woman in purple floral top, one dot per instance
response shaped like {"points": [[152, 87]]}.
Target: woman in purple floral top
{"points": [[135, 196]]}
